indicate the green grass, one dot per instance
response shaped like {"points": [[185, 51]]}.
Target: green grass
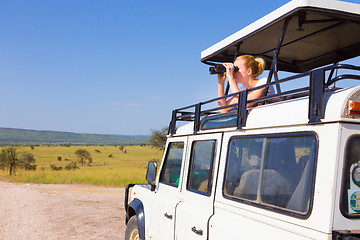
{"points": [[116, 171]]}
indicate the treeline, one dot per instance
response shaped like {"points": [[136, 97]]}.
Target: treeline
{"points": [[33, 137]]}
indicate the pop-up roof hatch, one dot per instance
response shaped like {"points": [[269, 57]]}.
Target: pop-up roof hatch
{"points": [[304, 34]]}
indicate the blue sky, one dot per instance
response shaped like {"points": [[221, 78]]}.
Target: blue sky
{"points": [[110, 67]]}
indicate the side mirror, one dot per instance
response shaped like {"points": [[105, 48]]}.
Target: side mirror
{"points": [[151, 174]]}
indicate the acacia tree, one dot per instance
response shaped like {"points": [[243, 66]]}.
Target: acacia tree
{"points": [[9, 159], [84, 156], [158, 138]]}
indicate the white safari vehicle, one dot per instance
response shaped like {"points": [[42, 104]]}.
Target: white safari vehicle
{"points": [[286, 168]]}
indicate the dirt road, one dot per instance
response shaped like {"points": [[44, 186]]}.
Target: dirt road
{"points": [[38, 212]]}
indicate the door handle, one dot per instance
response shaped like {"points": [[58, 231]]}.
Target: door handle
{"points": [[168, 216], [198, 232]]}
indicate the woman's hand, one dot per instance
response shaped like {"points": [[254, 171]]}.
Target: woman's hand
{"points": [[229, 70], [221, 78]]}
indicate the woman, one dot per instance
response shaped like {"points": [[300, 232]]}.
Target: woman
{"points": [[249, 69]]}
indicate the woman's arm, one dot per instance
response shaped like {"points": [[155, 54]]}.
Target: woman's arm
{"points": [[221, 93], [221, 90]]}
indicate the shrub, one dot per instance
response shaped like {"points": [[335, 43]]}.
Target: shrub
{"points": [[55, 168], [71, 166]]}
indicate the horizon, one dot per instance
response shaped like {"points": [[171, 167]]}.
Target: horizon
{"points": [[110, 134]]}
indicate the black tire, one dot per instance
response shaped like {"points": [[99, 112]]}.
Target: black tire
{"points": [[132, 231]]}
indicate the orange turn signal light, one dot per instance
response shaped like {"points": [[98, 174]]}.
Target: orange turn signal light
{"points": [[354, 107]]}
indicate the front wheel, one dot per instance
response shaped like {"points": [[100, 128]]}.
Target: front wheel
{"points": [[132, 231]]}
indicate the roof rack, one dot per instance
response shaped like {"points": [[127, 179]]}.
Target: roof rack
{"points": [[315, 91]]}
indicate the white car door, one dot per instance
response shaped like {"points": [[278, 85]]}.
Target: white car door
{"points": [[198, 187], [161, 217]]}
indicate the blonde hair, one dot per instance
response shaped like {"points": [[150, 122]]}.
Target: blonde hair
{"points": [[256, 64]]}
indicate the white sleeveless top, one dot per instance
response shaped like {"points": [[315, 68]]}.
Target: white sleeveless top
{"points": [[260, 82]]}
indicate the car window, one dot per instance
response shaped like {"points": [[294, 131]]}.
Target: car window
{"points": [[244, 156], [200, 177], [170, 173], [275, 171]]}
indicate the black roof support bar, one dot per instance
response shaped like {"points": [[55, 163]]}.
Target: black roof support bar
{"points": [[197, 118], [316, 98], [241, 110], [172, 124], [235, 56], [273, 68]]}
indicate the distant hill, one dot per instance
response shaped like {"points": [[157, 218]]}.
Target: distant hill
{"points": [[23, 136]]}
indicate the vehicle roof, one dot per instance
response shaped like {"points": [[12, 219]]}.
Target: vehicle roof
{"points": [[291, 112], [319, 33]]}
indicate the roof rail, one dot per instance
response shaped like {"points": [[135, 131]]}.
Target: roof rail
{"points": [[315, 91]]}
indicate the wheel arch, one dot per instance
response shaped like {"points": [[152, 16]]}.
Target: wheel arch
{"points": [[136, 207]]}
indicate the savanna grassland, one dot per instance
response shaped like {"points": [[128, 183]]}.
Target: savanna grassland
{"points": [[110, 166]]}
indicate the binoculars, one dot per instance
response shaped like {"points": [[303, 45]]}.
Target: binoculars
{"points": [[219, 68]]}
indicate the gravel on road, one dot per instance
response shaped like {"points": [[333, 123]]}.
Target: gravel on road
{"points": [[48, 211]]}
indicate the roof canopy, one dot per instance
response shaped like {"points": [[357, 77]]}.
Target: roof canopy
{"points": [[319, 32]]}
